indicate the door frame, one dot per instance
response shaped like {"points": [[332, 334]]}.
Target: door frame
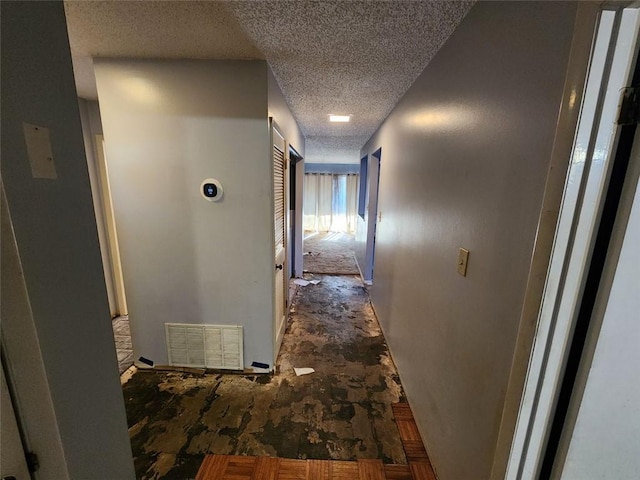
{"points": [[554, 334], [278, 330], [371, 214], [108, 216], [296, 176]]}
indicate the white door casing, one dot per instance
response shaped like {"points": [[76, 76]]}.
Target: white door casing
{"points": [[12, 456], [596, 138]]}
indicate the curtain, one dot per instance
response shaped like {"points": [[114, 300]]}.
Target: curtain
{"points": [[330, 202]]}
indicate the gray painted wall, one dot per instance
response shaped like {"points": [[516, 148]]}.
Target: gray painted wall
{"points": [[25, 364], [279, 110], [57, 241], [464, 160], [91, 128], [168, 125], [337, 168]]}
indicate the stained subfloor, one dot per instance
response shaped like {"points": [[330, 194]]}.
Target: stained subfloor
{"points": [[342, 411]]}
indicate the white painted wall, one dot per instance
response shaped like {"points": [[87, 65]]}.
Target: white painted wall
{"points": [[57, 243], [464, 160], [168, 125], [606, 435]]}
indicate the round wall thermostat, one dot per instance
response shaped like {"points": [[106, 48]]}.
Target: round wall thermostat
{"points": [[211, 189]]}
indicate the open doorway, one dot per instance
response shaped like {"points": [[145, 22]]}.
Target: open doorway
{"points": [[107, 232], [330, 213], [368, 214]]}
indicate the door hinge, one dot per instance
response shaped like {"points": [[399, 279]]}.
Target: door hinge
{"points": [[629, 110], [33, 463]]}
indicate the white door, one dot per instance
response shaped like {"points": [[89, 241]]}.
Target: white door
{"points": [[12, 458], [613, 57], [607, 416], [280, 267]]}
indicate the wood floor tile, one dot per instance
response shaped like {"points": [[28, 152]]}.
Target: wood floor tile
{"points": [[344, 470], [292, 469], [408, 430], [397, 472], [239, 468], [213, 467], [409, 434], [371, 469], [267, 468], [318, 470], [402, 411], [235, 467], [422, 471], [415, 451]]}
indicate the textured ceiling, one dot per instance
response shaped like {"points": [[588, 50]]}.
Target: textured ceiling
{"points": [[344, 57]]}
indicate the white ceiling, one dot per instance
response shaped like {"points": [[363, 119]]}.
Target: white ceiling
{"points": [[329, 56]]}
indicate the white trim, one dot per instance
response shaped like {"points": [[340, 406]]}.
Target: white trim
{"points": [[586, 184]]}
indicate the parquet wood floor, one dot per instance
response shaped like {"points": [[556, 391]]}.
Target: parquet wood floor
{"points": [[235, 467]]}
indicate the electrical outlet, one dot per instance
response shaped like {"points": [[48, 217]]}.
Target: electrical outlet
{"points": [[463, 260]]}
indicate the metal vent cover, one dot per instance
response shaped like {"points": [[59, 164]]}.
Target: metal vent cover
{"points": [[204, 346]]}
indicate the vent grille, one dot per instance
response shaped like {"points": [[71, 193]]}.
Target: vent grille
{"points": [[205, 346]]}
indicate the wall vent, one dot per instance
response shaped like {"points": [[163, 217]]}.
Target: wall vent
{"points": [[204, 346]]}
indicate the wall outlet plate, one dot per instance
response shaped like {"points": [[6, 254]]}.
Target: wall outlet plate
{"points": [[463, 260]]}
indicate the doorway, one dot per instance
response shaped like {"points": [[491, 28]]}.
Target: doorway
{"points": [[368, 214], [330, 213]]}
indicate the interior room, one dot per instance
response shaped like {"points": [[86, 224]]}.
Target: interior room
{"points": [[319, 240], [330, 202]]}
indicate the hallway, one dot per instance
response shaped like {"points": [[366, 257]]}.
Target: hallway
{"points": [[341, 411], [330, 253]]}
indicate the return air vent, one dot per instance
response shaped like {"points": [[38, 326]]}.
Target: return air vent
{"points": [[208, 346]]}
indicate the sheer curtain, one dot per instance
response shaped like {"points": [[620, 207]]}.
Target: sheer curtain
{"points": [[330, 202]]}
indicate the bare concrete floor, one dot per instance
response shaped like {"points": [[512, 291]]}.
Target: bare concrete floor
{"points": [[341, 411]]}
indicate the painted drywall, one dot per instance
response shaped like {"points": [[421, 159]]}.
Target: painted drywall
{"points": [[168, 125], [464, 160], [337, 149], [25, 365], [337, 168], [57, 241], [88, 136], [100, 187], [12, 457], [279, 110]]}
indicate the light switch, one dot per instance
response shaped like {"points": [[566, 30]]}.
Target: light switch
{"points": [[463, 260], [39, 151]]}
